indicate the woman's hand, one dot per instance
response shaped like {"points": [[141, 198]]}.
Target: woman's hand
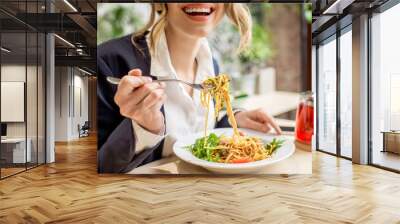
{"points": [[140, 100], [258, 120]]}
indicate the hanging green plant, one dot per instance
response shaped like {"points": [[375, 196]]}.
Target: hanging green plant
{"points": [[259, 51], [308, 12]]}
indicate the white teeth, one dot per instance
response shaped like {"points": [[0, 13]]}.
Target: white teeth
{"points": [[204, 10]]}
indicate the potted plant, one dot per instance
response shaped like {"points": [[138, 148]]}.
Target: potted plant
{"points": [[254, 59]]}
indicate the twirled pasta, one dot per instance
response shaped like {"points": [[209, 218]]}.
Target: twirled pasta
{"points": [[238, 148], [218, 88]]}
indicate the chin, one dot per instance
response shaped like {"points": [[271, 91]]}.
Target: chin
{"points": [[199, 33]]}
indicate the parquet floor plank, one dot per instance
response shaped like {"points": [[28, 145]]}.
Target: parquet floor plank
{"points": [[71, 191]]}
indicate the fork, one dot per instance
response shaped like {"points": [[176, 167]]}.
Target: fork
{"points": [[116, 81]]}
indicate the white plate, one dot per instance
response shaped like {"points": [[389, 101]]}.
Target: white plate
{"points": [[282, 153]]}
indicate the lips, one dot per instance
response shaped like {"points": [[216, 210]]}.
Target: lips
{"points": [[198, 11]]}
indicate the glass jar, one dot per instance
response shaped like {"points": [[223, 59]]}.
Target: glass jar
{"points": [[304, 129]]}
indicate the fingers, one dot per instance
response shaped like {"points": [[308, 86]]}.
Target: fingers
{"points": [[269, 120], [140, 99], [157, 106], [256, 125], [276, 127], [129, 109], [151, 103], [140, 93], [155, 98], [127, 88], [129, 83], [135, 72]]}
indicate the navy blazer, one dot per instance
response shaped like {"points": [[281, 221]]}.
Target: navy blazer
{"points": [[116, 141]]}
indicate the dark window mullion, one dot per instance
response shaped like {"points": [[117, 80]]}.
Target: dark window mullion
{"points": [[26, 88], [369, 100], [317, 96], [37, 90], [338, 94], [73, 92], [44, 79], [0, 99]]}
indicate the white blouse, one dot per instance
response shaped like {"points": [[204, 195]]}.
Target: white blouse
{"points": [[183, 114]]}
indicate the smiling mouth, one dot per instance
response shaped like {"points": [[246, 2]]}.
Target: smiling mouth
{"points": [[191, 11]]}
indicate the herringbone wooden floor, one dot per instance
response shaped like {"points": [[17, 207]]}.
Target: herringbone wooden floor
{"points": [[70, 191]]}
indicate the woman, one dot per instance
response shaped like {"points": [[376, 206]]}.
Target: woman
{"points": [[139, 120]]}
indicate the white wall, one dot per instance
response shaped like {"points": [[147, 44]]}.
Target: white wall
{"points": [[80, 102], [16, 73], [71, 93], [61, 103], [33, 127]]}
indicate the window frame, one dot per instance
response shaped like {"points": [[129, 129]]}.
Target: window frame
{"points": [[381, 9], [347, 27]]}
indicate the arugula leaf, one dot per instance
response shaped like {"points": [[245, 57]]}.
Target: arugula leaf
{"points": [[272, 146], [204, 147]]}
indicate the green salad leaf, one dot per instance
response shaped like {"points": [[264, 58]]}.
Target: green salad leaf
{"points": [[204, 147], [272, 146]]}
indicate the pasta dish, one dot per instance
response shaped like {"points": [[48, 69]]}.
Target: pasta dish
{"points": [[228, 149]]}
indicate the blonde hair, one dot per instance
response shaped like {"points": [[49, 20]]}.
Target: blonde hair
{"points": [[238, 14]]}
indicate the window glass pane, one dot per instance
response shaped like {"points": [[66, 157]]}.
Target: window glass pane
{"points": [[14, 153], [385, 83], [32, 85], [31, 97], [346, 93], [327, 97], [22, 87], [41, 98]]}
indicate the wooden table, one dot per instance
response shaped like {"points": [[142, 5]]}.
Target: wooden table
{"points": [[299, 163], [391, 141], [14, 150]]}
